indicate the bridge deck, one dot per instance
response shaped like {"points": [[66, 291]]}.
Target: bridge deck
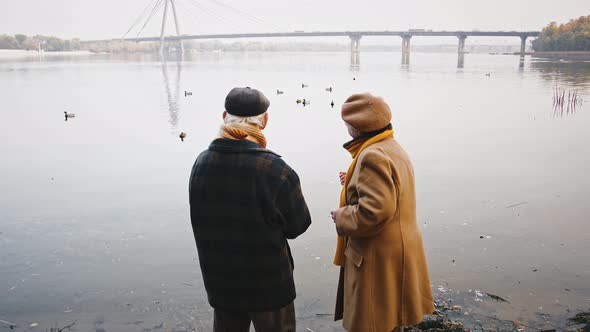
{"points": [[348, 33]]}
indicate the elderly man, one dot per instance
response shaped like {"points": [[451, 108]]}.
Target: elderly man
{"points": [[245, 202], [384, 283]]}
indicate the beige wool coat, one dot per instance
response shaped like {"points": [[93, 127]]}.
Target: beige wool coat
{"points": [[384, 282]]}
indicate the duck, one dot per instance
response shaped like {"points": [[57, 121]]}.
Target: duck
{"points": [[306, 102], [298, 101], [488, 74], [329, 89], [69, 115], [279, 92], [332, 104], [182, 136], [304, 85], [188, 93]]}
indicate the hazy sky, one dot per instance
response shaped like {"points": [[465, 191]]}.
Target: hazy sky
{"points": [[93, 19]]}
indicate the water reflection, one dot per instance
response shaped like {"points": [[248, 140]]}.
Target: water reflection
{"points": [[405, 60], [461, 60], [172, 92], [570, 73]]}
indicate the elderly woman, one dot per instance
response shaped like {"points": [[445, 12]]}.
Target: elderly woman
{"points": [[384, 283]]}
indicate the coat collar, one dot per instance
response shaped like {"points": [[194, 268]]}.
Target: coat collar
{"points": [[237, 146]]}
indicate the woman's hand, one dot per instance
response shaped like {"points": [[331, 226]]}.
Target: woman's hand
{"points": [[342, 176]]}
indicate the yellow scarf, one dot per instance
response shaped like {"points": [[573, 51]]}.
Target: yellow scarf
{"points": [[355, 150], [243, 131]]}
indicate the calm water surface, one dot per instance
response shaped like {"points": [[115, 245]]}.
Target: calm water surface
{"points": [[94, 218]]}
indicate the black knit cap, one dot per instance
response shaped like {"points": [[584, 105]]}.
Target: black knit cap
{"points": [[246, 102]]}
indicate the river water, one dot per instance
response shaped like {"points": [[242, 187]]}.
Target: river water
{"points": [[94, 218]]}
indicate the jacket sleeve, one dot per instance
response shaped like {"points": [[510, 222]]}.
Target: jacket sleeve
{"points": [[292, 206], [377, 198]]}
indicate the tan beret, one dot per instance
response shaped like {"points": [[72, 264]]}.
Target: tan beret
{"points": [[365, 112]]}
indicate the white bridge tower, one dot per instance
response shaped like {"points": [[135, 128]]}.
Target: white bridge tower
{"points": [[162, 37]]}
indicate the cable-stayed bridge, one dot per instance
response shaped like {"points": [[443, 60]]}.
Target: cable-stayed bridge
{"points": [[154, 6]]}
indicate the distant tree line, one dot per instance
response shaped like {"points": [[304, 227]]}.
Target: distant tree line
{"points": [[119, 46], [46, 43], [571, 36]]}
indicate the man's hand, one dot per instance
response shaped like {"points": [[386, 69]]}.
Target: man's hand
{"points": [[342, 176]]}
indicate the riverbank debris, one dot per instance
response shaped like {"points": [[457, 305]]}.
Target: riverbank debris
{"points": [[67, 327], [518, 326], [9, 324], [581, 318], [496, 297], [11, 288], [436, 323], [517, 204], [187, 93]]}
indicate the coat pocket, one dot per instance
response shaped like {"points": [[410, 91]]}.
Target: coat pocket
{"points": [[355, 257]]}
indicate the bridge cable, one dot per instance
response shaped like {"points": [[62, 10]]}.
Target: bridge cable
{"points": [[156, 8], [139, 17], [209, 11], [237, 11], [198, 17], [243, 13]]}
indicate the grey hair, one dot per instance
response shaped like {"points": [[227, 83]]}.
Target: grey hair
{"points": [[257, 120]]}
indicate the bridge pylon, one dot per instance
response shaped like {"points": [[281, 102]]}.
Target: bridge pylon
{"points": [[176, 24]]}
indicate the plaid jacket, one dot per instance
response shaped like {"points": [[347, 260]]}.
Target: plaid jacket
{"points": [[245, 202]]}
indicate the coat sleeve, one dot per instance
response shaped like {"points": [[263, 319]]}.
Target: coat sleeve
{"points": [[292, 206], [377, 198]]}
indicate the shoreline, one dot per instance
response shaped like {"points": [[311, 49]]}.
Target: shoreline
{"points": [[23, 54], [26, 54], [566, 55]]}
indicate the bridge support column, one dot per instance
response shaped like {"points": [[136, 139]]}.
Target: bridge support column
{"points": [[355, 52], [406, 49], [523, 44], [522, 51], [461, 51], [461, 47]]}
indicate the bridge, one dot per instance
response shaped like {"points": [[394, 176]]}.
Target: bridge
{"points": [[354, 36]]}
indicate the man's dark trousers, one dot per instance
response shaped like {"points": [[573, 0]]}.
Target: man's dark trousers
{"points": [[281, 320]]}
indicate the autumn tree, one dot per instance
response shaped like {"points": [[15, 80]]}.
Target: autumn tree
{"points": [[571, 36], [8, 42]]}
